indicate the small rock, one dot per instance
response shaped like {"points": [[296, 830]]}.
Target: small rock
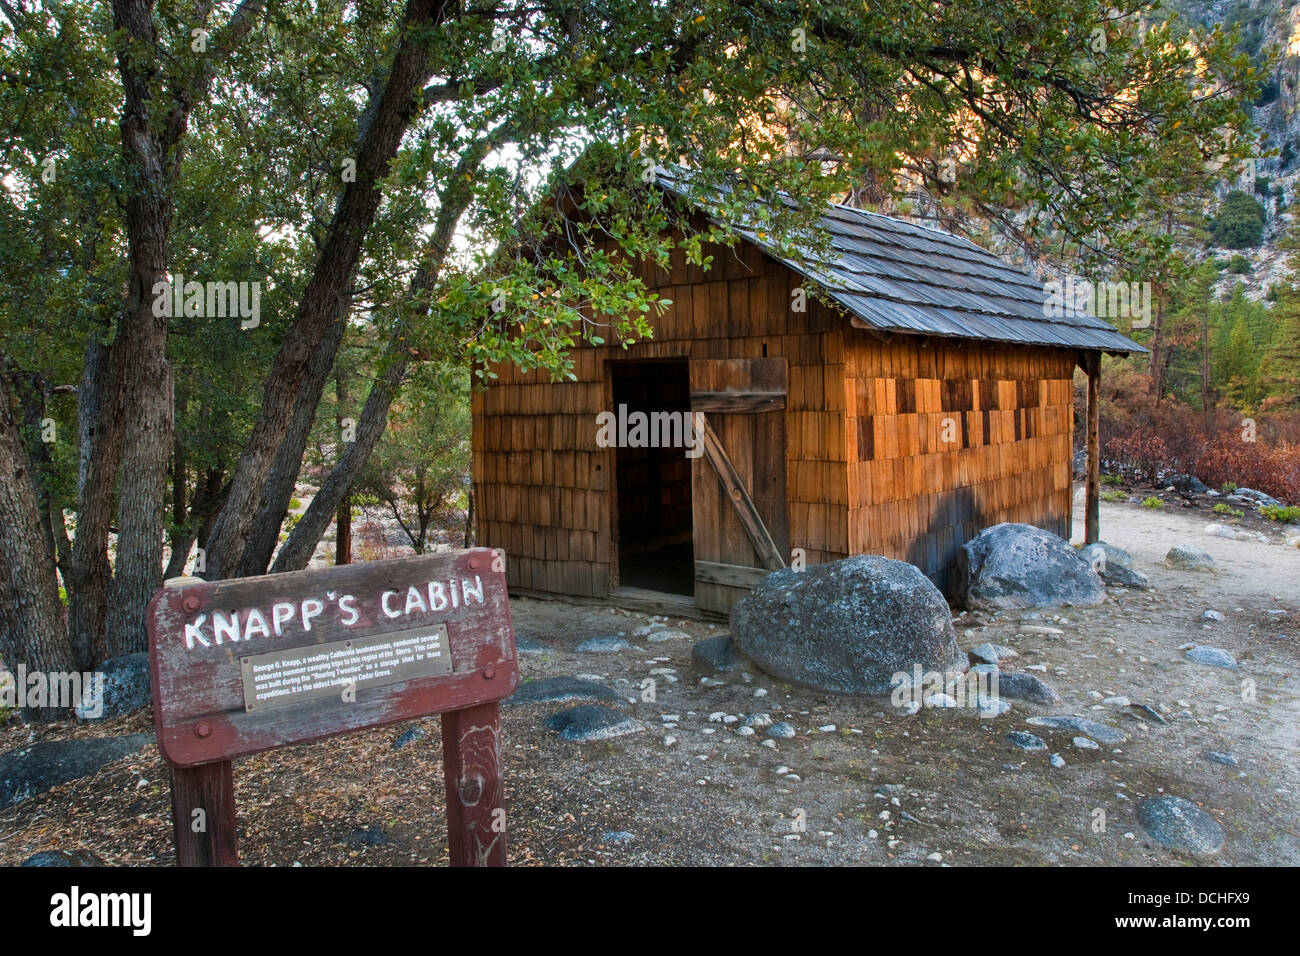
{"points": [[1212, 656], [1101, 732], [782, 730], [602, 645], [1118, 702], [992, 653], [1223, 757], [1083, 743], [1180, 825], [1057, 761], [1025, 740], [1026, 687], [592, 722], [660, 636], [617, 836], [409, 736], [1183, 558], [1212, 615]]}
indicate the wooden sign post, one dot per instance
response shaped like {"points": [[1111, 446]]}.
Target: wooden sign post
{"points": [[252, 664]]}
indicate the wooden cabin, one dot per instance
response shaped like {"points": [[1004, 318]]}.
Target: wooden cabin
{"points": [[933, 400]]}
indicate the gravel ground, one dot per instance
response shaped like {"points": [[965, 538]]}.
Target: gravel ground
{"points": [[859, 783]]}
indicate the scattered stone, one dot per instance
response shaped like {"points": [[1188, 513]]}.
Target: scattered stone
{"points": [[73, 858], [1250, 494], [1223, 757], [847, 626], [1057, 761], [617, 836], [125, 688], [1180, 825], [409, 736], [1024, 740], [1213, 615], [1212, 656], [592, 722], [1100, 732], [1026, 687], [756, 720], [1018, 565], [602, 645], [29, 771], [782, 730], [1234, 534], [743, 731], [1150, 712], [560, 690], [714, 682], [1118, 576], [939, 700], [1183, 558], [1188, 484], [992, 653], [527, 645], [1117, 702], [672, 635], [769, 742], [1084, 743], [984, 669], [717, 655]]}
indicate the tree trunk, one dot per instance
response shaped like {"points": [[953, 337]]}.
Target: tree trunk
{"points": [[323, 298], [265, 532], [300, 546], [99, 423], [343, 523], [33, 633], [143, 336]]}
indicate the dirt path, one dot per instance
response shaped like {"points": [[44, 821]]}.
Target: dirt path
{"points": [[700, 793]]}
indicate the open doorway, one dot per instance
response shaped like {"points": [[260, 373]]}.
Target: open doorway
{"points": [[655, 550]]}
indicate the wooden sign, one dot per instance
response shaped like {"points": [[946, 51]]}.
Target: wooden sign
{"points": [[250, 664]]}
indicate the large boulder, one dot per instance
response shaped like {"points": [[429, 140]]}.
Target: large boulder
{"points": [[849, 626], [1018, 565]]}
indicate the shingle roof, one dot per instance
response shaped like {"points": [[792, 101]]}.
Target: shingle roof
{"points": [[897, 276]]}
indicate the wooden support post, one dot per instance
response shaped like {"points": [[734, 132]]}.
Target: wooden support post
{"points": [[1091, 363], [476, 821], [203, 815]]}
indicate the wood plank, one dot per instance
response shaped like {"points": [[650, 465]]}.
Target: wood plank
{"points": [[731, 575], [736, 493], [737, 401]]}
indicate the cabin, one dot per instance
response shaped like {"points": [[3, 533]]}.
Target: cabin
{"points": [[930, 398]]}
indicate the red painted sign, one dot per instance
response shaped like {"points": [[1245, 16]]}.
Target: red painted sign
{"points": [[250, 664]]}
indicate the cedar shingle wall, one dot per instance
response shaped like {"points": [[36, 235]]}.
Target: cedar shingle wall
{"points": [[917, 498], [542, 486]]}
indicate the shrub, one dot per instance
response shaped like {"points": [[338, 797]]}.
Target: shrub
{"points": [[1283, 513], [294, 504], [1112, 479], [1222, 509], [1240, 222], [1155, 504], [1239, 265], [1228, 487], [1113, 496]]}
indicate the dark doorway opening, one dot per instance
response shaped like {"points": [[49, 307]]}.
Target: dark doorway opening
{"points": [[655, 550]]}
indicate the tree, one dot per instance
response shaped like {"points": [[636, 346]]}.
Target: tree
{"points": [[1240, 222], [347, 145], [420, 469]]}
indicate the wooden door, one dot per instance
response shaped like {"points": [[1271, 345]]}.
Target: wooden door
{"points": [[738, 490]]}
